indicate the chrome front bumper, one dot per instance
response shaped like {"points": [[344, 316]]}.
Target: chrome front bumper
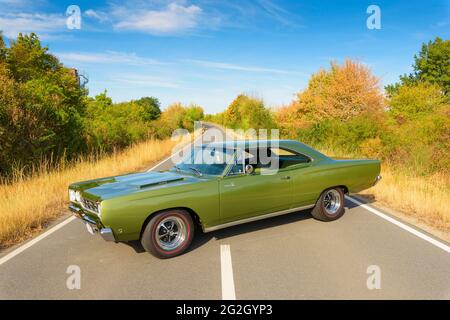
{"points": [[106, 233]]}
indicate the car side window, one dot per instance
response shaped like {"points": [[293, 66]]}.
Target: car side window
{"points": [[288, 158]]}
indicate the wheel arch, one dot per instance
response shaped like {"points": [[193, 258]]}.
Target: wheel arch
{"points": [[194, 216], [341, 186]]}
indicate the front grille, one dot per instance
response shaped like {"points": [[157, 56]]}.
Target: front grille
{"points": [[89, 205]]}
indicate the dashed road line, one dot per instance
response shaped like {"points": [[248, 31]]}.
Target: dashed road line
{"points": [[226, 266]]}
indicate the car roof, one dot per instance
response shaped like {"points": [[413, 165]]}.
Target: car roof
{"points": [[284, 144], [237, 144]]}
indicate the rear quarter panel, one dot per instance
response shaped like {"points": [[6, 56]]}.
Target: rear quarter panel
{"points": [[310, 182]]}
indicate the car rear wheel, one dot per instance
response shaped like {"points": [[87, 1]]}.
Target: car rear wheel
{"points": [[330, 205], [168, 234]]}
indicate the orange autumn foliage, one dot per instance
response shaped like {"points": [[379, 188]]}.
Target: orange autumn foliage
{"points": [[342, 92]]}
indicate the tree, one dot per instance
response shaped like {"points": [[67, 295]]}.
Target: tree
{"points": [[111, 126], [430, 65], [413, 100], [171, 119], [341, 93], [27, 59], [193, 113], [3, 49], [247, 112], [152, 107], [41, 106]]}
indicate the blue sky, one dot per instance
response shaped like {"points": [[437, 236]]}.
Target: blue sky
{"points": [[208, 51]]}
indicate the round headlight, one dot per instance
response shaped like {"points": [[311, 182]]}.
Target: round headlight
{"points": [[72, 195]]}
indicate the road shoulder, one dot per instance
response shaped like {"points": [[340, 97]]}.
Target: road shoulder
{"points": [[412, 221]]}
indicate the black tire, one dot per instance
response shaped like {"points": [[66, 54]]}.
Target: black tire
{"points": [[323, 211], [169, 244]]}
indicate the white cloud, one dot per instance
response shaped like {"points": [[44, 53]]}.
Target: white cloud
{"points": [[173, 19], [15, 3], [107, 57], [228, 66], [275, 11], [13, 23], [98, 15]]}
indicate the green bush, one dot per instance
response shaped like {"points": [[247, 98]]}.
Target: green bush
{"points": [[150, 106], [246, 112], [177, 116], [113, 126], [415, 100], [343, 135]]}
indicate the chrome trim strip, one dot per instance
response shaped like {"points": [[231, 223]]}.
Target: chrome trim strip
{"points": [[79, 213], [74, 209], [256, 218], [89, 220], [79, 210]]}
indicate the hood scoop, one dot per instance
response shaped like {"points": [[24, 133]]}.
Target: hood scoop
{"points": [[155, 182]]}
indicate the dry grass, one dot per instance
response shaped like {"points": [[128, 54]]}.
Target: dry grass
{"points": [[424, 198], [29, 203]]}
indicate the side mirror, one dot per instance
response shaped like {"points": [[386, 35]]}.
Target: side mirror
{"points": [[249, 169]]}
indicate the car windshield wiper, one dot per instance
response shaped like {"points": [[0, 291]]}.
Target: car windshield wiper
{"points": [[198, 172]]}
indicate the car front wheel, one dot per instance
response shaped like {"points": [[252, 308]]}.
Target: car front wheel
{"points": [[168, 234], [330, 205]]}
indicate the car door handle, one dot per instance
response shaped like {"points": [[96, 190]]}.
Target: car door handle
{"points": [[286, 178], [229, 185]]}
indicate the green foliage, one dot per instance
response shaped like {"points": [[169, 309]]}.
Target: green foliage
{"points": [[433, 63], [430, 65], [151, 107], [246, 112], [412, 101], [41, 106], [27, 59], [3, 49], [346, 135], [421, 143], [114, 126], [177, 116], [193, 113]]}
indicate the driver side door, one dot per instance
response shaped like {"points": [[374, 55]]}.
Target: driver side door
{"points": [[247, 195]]}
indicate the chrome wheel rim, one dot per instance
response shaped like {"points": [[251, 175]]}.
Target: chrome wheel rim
{"points": [[332, 202], [170, 233]]}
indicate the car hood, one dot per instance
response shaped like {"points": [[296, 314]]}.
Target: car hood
{"points": [[105, 188]]}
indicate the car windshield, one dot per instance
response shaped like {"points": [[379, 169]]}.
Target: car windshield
{"points": [[206, 161]]}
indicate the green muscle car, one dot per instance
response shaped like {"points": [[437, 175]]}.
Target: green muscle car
{"points": [[218, 185]]}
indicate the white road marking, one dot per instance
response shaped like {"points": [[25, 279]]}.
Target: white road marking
{"points": [[32, 242], [160, 163], [415, 232], [226, 265]]}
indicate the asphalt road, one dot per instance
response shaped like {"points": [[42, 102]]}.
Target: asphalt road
{"points": [[286, 257]]}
